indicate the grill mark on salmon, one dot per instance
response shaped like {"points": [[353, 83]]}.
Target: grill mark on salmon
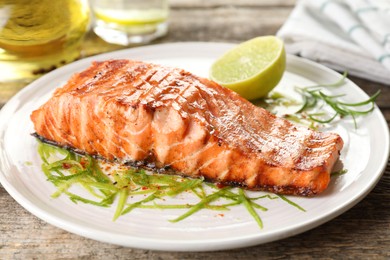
{"points": [[161, 118]]}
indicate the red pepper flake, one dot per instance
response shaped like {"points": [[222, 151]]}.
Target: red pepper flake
{"points": [[220, 185], [144, 188], [83, 162], [66, 166]]}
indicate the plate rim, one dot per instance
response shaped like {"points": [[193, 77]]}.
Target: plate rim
{"points": [[184, 244]]}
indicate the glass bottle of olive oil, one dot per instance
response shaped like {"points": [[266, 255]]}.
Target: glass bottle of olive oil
{"points": [[37, 36]]}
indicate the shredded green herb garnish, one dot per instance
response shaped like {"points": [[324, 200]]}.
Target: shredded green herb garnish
{"points": [[134, 188], [316, 104], [291, 203], [338, 173], [250, 207]]}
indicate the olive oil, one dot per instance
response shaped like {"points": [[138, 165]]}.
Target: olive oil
{"points": [[37, 36]]}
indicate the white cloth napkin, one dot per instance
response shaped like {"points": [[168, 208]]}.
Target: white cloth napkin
{"points": [[346, 35]]}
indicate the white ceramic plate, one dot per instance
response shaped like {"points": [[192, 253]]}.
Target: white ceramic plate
{"points": [[365, 156]]}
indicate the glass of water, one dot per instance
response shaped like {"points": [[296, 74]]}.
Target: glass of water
{"points": [[127, 22]]}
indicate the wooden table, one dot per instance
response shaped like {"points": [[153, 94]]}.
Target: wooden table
{"points": [[361, 233]]}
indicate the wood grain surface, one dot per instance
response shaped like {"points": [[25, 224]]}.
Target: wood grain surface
{"points": [[363, 232]]}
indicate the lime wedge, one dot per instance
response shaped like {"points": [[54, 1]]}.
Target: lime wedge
{"points": [[253, 68]]}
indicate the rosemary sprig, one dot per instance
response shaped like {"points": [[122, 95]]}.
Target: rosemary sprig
{"points": [[316, 104], [311, 98]]}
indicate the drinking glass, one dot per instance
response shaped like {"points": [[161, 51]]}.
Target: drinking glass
{"points": [[127, 22], [37, 36]]}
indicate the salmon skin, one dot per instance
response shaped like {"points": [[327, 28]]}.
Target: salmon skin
{"points": [[158, 117]]}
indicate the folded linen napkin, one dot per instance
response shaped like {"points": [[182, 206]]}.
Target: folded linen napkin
{"points": [[346, 35]]}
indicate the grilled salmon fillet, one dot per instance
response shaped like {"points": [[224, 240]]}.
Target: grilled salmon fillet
{"points": [[163, 118]]}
